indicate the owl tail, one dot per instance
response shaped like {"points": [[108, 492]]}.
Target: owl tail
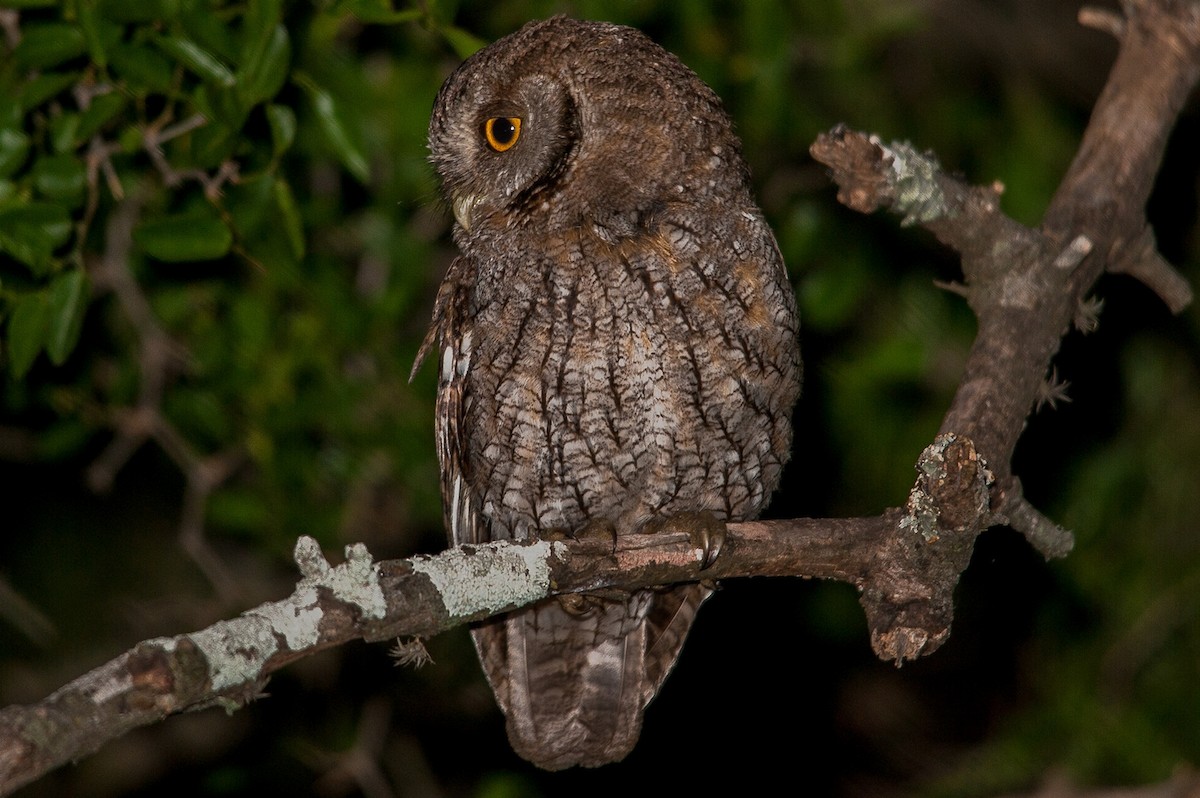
{"points": [[574, 688]]}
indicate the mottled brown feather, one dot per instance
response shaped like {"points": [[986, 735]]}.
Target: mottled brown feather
{"points": [[617, 343]]}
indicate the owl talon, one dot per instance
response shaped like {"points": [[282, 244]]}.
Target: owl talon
{"points": [[711, 541], [599, 532], [575, 604], [708, 537], [704, 530]]}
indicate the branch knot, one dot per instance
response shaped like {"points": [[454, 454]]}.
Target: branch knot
{"points": [[951, 493]]}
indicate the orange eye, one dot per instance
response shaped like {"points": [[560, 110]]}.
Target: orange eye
{"points": [[502, 132]]}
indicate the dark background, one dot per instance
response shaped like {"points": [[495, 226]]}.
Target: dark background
{"points": [[297, 364]]}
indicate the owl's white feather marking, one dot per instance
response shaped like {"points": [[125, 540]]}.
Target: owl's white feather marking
{"points": [[456, 504]]}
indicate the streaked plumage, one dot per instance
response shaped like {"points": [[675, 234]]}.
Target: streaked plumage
{"points": [[617, 343]]}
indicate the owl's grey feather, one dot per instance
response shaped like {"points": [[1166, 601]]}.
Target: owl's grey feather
{"points": [[617, 343]]}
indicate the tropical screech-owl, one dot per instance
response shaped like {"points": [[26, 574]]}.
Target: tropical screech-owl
{"points": [[618, 345]]}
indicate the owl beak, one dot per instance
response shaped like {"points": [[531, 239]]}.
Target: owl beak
{"points": [[464, 209]]}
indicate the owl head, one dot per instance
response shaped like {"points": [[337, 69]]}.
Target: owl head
{"points": [[566, 122]]}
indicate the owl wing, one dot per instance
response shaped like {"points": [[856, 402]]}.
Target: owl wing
{"points": [[667, 624], [451, 331]]}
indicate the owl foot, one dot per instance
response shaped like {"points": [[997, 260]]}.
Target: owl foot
{"points": [[575, 604], [601, 533], [705, 530]]}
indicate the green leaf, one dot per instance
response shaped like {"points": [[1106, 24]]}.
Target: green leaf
{"points": [[231, 508], [62, 132], [293, 226], [31, 232], [261, 77], [379, 12], [283, 128], [14, 146], [222, 104], [92, 28], [337, 133], [441, 12], [143, 69], [463, 43], [49, 44], [130, 139], [63, 439], [27, 331], [10, 111], [126, 11], [183, 238], [213, 143], [51, 219], [46, 85], [210, 28], [197, 59], [258, 27], [59, 177], [103, 108], [249, 203], [67, 302]]}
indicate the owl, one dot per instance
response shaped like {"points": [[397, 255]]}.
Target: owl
{"points": [[618, 346]]}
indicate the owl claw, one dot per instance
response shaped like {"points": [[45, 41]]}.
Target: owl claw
{"points": [[709, 540], [575, 604], [597, 533], [705, 531], [708, 537], [598, 530]]}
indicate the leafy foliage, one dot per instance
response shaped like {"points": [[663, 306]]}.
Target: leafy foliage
{"points": [[164, 167]]}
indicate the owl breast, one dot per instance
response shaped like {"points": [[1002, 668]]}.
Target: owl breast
{"points": [[623, 379]]}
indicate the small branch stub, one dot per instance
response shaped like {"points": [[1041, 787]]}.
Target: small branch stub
{"points": [[917, 195], [952, 489]]}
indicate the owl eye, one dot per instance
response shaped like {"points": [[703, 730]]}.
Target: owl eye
{"points": [[502, 132]]}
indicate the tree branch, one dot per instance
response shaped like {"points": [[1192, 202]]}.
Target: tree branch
{"points": [[1027, 285], [907, 595]]}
